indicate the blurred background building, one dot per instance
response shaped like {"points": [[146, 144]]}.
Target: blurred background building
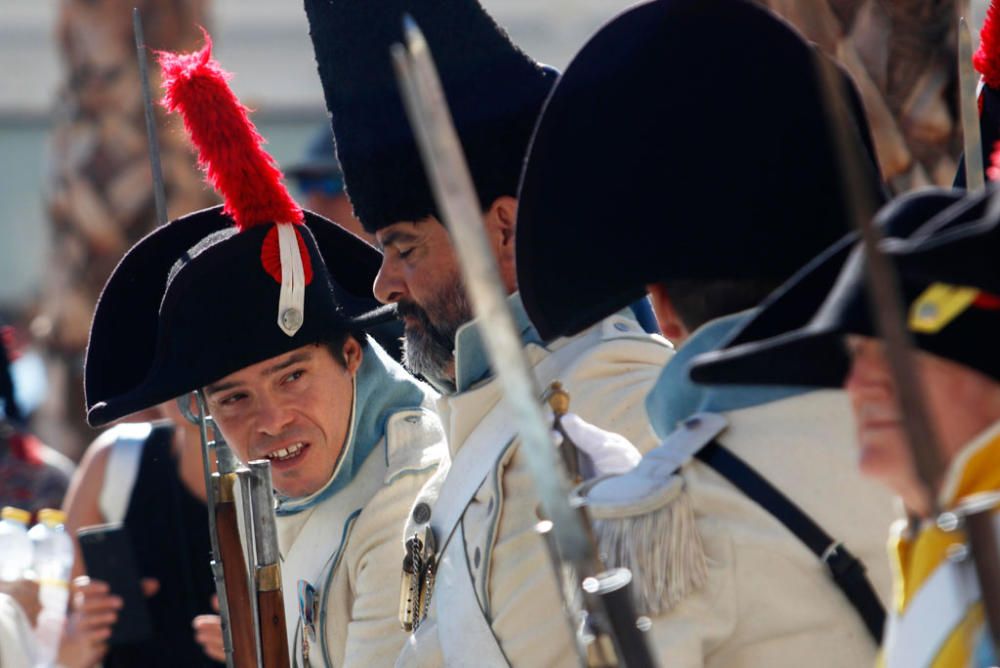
{"points": [[74, 184]]}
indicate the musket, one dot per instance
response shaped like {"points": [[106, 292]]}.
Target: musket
{"points": [[887, 311], [239, 633], [225, 482], [605, 597], [159, 196], [267, 570], [968, 82]]}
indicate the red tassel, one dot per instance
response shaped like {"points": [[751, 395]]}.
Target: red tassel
{"points": [[987, 58], [229, 146]]}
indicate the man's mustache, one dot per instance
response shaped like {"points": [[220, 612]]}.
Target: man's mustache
{"points": [[411, 309]]}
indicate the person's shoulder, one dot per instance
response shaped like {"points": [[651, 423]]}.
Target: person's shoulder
{"points": [[414, 442], [644, 519]]}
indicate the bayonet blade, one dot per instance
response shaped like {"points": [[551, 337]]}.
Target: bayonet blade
{"points": [[159, 195], [968, 102]]}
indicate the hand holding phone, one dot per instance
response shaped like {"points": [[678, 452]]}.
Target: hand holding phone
{"points": [[107, 553]]}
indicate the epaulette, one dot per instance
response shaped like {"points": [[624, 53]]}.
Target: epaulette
{"points": [[644, 520]]}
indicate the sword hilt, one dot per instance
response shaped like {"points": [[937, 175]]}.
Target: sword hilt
{"points": [[558, 400]]}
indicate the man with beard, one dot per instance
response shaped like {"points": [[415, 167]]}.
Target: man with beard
{"points": [[495, 601], [249, 303]]}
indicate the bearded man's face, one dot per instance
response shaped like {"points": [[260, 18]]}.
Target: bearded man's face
{"points": [[420, 274]]}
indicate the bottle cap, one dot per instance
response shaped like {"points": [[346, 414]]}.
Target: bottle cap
{"points": [[51, 516], [15, 514]]}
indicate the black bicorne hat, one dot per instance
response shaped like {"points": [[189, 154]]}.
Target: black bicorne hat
{"points": [[967, 254], [191, 303], [493, 89], [814, 354], [688, 139], [221, 289]]}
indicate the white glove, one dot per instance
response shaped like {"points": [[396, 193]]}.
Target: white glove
{"points": [[610, 453]]}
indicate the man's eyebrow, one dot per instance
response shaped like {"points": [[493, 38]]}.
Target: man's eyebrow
{"points": [[389, 238], [301, 356], [220, 387]]}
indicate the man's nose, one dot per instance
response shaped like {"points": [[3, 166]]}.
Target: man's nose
{"points": [[389, 286], [272, 417]]}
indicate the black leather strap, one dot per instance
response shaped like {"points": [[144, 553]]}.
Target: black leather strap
{"points": [[847, 572]]}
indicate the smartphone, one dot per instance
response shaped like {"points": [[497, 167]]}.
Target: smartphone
{"points": [[107, 553]]}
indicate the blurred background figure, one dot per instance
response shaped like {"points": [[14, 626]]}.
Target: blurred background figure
{"points": [[99, 196], [149, 476], [320, 183], [901, 55], [32, 475]]}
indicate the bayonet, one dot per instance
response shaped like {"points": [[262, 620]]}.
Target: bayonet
{"points": [[159, 195], [968, 103]]}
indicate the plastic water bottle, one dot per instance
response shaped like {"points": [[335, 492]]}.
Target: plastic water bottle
{"points": [[53, 563], [15, 546]]}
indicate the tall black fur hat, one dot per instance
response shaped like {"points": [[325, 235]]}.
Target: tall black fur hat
{"points": [[957, 324], [707, 121], [221, 289], [493, 89]]}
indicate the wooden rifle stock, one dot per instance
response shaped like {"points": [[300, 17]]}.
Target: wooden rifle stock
{"points": [[274, 642], [237, 584]]}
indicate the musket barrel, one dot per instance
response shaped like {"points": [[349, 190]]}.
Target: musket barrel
{"points": [[218, 571], [270, 603], [241, 603]]}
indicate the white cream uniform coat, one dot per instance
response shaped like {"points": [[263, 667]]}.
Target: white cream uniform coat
{"points": [[726, 584], [495, 601], [340, 547]]}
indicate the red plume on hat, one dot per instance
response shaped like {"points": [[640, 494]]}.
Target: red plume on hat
{"points": [[986, 60], [230, 153]]}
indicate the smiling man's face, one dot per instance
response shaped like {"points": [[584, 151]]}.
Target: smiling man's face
{"points": [[294, 410]]}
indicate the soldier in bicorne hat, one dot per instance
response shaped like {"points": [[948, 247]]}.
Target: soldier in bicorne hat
{"points": [[721, 182], [257, 303], [474, 551], [943, 246]]}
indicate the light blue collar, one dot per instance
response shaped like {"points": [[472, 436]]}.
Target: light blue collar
{"points": [[472, 361], [381, 387], [675, 396]]}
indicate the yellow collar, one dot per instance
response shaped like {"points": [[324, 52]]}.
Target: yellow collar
{"points": [[975, 469]]}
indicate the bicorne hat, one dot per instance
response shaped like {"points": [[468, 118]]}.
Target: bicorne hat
{"points": [[715, 160], [220, 289], [493, 89], [956, 322]]}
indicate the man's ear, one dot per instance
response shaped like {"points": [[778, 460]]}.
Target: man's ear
{"points": [[671, 325], [353, 353], [501, 224]]}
